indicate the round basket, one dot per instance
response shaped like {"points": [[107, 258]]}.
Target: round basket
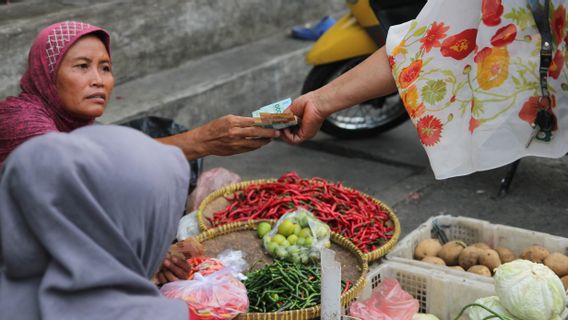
{"points": [[216, 201], [346, 253]]}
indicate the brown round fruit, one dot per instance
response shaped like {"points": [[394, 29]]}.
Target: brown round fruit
{"points": [[535, 253], [450, 252], [469, 257], [505, 254], [433, 260], [457, 268], [565, 282], [427, 247], [558, 263], [480, 270], [490, 259]]}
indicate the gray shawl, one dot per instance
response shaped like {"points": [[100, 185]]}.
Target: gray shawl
{"points": [[85, 220]]}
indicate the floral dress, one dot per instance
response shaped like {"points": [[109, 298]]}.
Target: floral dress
{"points": [[467, 72]]}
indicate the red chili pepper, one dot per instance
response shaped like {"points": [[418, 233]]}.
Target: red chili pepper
{"points": [[346, 211]]}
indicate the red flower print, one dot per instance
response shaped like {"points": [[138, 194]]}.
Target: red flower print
{"points": [[409, 74], [429, 130], [482, 54], [491, 11], [504, 36], [556, 65], [459, 45], [391, 61], [558, 23], [530, 109], [432, 38], [473, 124]]}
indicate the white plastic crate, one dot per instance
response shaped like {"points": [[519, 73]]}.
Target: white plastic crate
{"points": [[471, 231], [437, 293]]}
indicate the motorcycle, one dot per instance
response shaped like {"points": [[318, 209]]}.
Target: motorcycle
{"points": [[353, 38]]}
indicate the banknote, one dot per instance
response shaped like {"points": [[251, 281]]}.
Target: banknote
{"points": [[273, 115]]}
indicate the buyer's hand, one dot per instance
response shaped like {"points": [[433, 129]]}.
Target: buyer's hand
{"points": [[173, 268], [308, 108]]}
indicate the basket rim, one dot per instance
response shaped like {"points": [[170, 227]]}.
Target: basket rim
{"points": [[370, 256], [346, 297]]}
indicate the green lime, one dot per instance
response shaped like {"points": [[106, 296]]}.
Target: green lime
{"points": [[286, 227], [300, 241], [327, 244], [308, 242], [297, 230], [281, 253], [278, 238], [305, 233], [263, 228], [285, 243], [292, 239], [321, 232], [271, 247]]}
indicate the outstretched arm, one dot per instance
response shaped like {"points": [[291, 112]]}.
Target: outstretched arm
{"points": [[370, 79], [225, 136]]}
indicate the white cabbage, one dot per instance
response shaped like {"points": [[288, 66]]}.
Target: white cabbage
{"points": [[530, 291], [424, 316], [492, 303]]}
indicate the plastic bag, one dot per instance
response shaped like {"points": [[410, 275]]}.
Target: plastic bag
{"points": [[204, 266], [210, 181], [297, 237], [188, 226], [235, 262], [387, 302], [219, 296]]}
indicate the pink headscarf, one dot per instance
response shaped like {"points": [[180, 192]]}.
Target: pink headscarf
{"points": [[38, 109]]}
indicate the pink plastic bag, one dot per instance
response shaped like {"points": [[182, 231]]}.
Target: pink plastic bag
{"points": [[387, 302], [218, 296], [210, 181]]}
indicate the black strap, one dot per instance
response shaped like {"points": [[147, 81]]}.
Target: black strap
{"points": [[545, 119]]}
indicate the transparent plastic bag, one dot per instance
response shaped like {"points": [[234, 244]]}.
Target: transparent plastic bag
{"points": [[297, 237], [234, 261], [219, 296], [387, 302]]}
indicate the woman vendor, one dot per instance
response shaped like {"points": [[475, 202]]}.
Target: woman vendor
{"points": [[82, 241], [68, 84]]}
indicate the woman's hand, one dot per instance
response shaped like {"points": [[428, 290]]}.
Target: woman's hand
{"points": [[309, 109], [225, 136], [173, 268]]}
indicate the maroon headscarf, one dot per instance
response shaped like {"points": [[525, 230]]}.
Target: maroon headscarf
{"points": [[38, 108]]}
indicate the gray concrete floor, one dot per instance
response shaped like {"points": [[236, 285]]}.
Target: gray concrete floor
{"points": [[394, 168]]}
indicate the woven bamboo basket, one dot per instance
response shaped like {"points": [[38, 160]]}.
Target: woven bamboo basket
{"points": [[303, 314], [369, 256]]}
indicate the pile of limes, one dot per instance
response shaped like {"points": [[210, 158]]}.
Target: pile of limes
{"points": [[296, 239]]}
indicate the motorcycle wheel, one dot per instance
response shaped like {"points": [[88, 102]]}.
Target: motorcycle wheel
{"points": [[363, 120]]}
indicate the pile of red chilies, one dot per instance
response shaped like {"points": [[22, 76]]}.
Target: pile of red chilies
{"points": [[346, 211]]}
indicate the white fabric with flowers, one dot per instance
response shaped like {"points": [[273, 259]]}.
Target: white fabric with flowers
{"points": [[467, 72]]}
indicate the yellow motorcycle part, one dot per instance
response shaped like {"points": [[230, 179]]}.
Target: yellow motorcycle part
{"points": [[346, 39], [362, 11]]}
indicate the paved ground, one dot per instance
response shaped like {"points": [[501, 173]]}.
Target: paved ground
{"points": [[394, 168]]}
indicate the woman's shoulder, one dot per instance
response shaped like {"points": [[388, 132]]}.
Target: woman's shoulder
{"points": [[19, 119]]}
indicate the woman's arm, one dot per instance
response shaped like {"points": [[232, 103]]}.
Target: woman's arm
{"points": [[225, 136], [370, 79]]}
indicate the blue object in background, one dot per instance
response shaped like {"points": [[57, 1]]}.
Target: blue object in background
{"points": [[314, 32]]}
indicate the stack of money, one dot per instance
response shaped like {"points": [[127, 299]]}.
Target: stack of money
{"points": [[273, 116]]}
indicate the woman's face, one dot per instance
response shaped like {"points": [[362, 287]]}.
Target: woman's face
{"points": [[84, 78]]}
